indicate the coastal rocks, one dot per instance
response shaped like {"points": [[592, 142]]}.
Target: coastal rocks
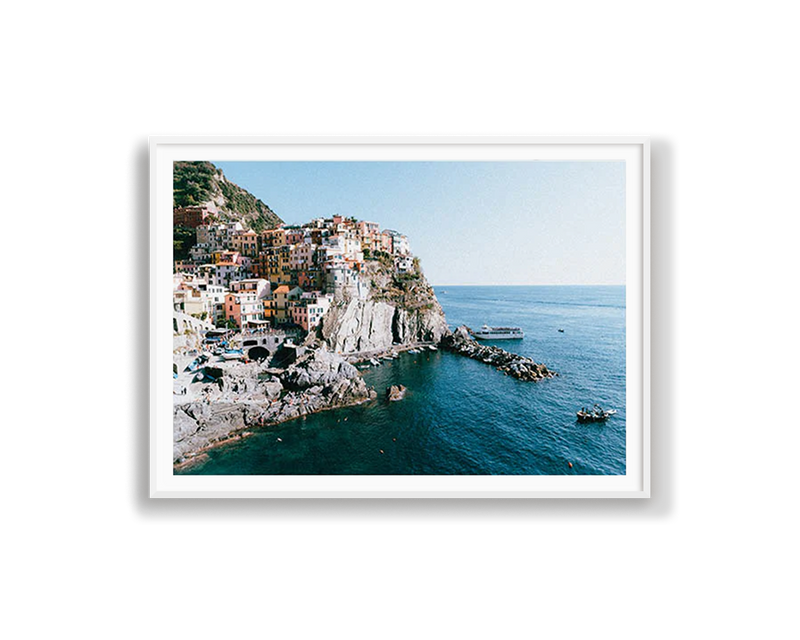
{"points": [[512, 364], [396, 392], [196, 427], [250, 395], [321, 368]]}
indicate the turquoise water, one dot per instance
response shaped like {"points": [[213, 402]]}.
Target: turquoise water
{"points": [[461, 416]]}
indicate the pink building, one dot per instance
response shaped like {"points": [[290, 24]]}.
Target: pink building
{"points": [[295, 235], [367, 229], [385, 242], [243, 308], [309, 310]]}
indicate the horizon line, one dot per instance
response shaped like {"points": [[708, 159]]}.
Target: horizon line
{"points": [[490, 284]]}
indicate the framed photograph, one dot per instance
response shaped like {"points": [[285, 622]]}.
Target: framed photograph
{"points": [[400, 317]]}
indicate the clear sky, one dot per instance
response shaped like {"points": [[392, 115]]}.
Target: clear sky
{"points": [[469, 222]]}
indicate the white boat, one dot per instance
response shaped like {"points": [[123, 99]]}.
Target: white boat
{"points": [[498, 333], [597, 414]]}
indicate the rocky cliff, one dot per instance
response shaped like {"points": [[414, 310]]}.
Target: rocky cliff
{"points": [[398, 309]]}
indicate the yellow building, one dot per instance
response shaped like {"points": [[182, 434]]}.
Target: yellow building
{"points": [[246, 243], [283, 298], [273, 238], [281, 304]]}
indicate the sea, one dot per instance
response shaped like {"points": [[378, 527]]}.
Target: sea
{"points": [[461, 416]]}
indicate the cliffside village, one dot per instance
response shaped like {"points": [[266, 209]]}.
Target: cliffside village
{"points": [[286, 277]]}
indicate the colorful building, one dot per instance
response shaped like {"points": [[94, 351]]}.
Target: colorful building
{"points": [[302, 256], [294, 235], [273, 237], [284, 296], [254, 278], [310, 309], [189, 216], [244, 309], [259, 286], [399, 243], [246, 243]]}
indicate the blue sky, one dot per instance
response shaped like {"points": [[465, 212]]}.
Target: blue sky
{"points": [[477, 223]]}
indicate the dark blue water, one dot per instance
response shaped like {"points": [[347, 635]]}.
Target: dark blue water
{"points": [[461, 416]]}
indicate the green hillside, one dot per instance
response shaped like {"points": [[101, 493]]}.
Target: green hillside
{"points": [[197, 183]]}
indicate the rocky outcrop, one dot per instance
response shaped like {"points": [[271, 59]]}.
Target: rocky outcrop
{"points": [[359, 326], [396, 392], [248, 395], [399, 309], [512, 364], [321, 368], [354, 326]]}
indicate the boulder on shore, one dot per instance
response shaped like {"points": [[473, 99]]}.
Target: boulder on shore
{"points": [[396, 392]]}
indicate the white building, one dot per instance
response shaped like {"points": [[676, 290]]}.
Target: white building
{"points": [[317, 307], [215, 300], [259, 286], [220, 275], [309, 310], [404, 264], [352, 248]]}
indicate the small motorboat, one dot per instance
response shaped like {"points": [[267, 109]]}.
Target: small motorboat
{"points": [[561, 331], [597, 414]]}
